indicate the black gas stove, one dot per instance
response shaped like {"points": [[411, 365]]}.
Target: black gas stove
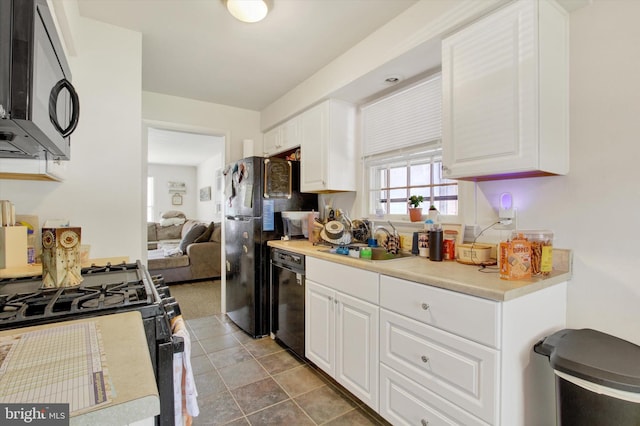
{"points": [[105, 289]]}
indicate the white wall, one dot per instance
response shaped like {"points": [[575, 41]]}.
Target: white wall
{"points": [[235, 124], [162, 175], [211, 211], [102, 192], [593, 210], [426, 20]]}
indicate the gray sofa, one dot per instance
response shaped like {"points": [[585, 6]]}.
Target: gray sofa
{"points": [[197, 261]]}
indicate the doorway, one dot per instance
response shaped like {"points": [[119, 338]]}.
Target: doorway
{"points": [[182, 170]]}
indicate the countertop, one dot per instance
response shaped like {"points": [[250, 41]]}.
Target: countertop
{"points": [[135, 395], [469, 279], [35, 269]]}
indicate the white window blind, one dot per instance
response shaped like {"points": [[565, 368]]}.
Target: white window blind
{"points": [[409, 117]]}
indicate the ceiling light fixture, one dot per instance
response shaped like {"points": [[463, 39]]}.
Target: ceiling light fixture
{"points": [[248, 10]]}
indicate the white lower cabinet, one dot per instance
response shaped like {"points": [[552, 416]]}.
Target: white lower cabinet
{"points": [[341, 337], [422, 355], [342, 326], [450, 358], [404, 402], [459, 370]]}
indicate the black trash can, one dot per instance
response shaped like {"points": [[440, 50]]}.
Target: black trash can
{"points": [[597, 377]]}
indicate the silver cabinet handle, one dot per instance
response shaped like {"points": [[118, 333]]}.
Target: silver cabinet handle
{"points": [[424, 422], [335, 301], [228, 266], [246, 250], [425, 306], [424, 359]]}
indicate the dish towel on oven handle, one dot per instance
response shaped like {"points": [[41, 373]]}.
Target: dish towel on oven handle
{"points": [[184, 386]]}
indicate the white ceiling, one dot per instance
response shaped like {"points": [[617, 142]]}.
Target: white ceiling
{"points": [[181, 149], [196, 49]]}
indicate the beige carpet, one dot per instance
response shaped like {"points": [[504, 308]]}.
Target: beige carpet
{"points": [[197, 299]]}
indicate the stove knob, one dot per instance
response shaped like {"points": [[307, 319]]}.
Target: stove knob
{"points": [[158, 280], [173, 310], [164, 291], [168, 300]]}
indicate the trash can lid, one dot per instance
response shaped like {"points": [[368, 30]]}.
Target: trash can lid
{"points": [[594, 356]]}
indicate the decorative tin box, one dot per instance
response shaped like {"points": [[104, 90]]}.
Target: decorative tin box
{"points": [[61, 265]]}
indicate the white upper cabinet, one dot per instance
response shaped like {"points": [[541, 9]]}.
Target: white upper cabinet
{"points": [[282, 138], [272, 141], [327, 134], [505, 94]]}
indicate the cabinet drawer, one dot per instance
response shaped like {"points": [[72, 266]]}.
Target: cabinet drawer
{"points": [[455, 368], [346, 279], [403, 402], [471, 317]]}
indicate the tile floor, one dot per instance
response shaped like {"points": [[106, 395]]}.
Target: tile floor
{"points": [[243, 381]]}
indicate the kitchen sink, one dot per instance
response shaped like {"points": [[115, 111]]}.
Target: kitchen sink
{"points": [[376, 254], [383, 255]]}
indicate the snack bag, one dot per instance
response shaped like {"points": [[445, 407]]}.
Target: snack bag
{"points": [[515, 259]]}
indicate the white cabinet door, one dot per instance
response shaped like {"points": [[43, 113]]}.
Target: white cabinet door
{"points": [[272, 141], [290, 134], [403, 402], [314, 162], [505, 94], [341, 337], [357, 347], [327, 142], [459, 370], [443, 309], [282, 138], [319, 327]]}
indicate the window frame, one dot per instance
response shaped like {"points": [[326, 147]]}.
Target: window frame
{"points": [[430, 154]]}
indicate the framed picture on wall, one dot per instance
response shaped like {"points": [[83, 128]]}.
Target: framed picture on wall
{"points": [[176, 199], [205, 193]]}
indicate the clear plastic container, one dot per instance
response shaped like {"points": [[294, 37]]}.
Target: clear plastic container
{"points": [[541, 250], [295, 224]]}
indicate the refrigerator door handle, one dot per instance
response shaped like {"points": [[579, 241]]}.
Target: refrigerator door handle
{"points": [[239, 218]]}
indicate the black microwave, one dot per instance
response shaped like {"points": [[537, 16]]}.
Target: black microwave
{"points": [[39, 106]]}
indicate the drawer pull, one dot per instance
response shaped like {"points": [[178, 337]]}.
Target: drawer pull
{"points": [[425, 306], [424, 422], [424, 359]]}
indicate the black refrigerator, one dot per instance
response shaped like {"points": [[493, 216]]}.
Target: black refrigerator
{"points": [[256, 191]]}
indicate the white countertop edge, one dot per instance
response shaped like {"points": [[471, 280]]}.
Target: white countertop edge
{"points": [[120, 414], [460, 277]]}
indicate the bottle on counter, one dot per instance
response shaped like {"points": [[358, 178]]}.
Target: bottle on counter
{"points": [[435, 243], [31, 247], [449, 244]]}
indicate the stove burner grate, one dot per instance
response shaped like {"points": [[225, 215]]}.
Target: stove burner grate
{"points": [[47, 303]]}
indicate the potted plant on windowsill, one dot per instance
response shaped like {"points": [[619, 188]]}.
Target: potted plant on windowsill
{"points": [[415, 211]]}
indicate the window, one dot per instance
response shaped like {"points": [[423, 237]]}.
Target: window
{"points": [[150, 200], [402, 150], [393, 179]]}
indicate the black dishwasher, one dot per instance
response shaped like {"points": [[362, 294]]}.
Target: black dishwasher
{"points": [[287, 299]]}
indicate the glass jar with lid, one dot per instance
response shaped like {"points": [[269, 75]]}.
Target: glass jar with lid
{"points": [[541, 250]]}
